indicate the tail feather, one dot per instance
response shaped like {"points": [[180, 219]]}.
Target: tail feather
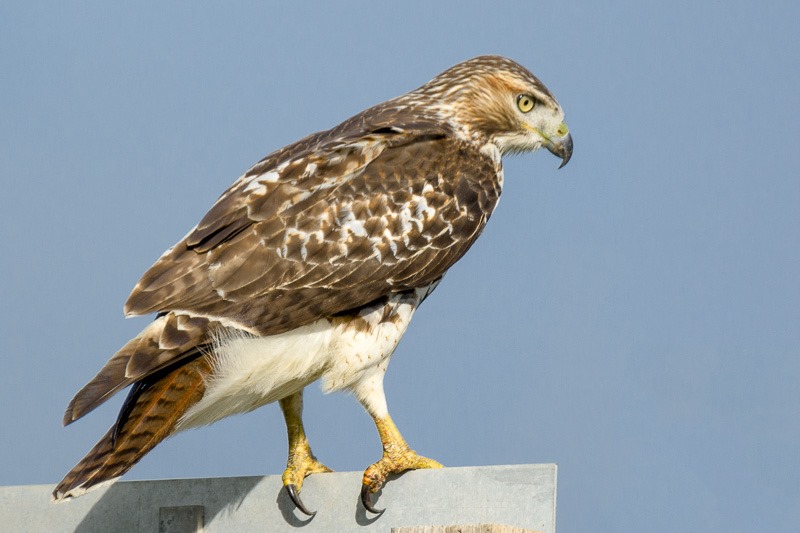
{"points": [[169, 338], [149, 415]]}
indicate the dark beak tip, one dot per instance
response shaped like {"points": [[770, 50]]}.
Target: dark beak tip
{"points": [[566, 151]]}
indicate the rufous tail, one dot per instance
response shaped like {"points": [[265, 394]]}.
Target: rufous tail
{"points": [[149, 415]]}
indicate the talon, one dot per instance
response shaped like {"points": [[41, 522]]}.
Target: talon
{"points": [[366, 500], [295, 496]]}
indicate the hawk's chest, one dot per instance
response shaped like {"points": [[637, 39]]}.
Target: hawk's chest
{"points": [[366, 339]]}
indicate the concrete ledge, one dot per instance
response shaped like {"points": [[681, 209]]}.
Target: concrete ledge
{"points": [[480, 528], [522, 496]]}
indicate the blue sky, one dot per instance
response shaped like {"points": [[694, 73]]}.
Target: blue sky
{"points": [[634, 317]]}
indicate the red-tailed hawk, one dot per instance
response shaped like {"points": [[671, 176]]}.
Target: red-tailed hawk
{"points": [[310, 266]]}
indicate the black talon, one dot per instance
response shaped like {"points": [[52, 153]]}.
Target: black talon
{"points": [[366, 501], [295, 496]]}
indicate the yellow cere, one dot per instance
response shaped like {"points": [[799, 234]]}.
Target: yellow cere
{"points": [[562, 129]]}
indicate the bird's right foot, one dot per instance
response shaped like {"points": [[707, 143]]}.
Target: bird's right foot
{"points": [[301, 463]]}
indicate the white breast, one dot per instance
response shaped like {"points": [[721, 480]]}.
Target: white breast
{"points": [[249, 372]]}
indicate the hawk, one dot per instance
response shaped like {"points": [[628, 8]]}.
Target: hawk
{"points": [[310, 267]]}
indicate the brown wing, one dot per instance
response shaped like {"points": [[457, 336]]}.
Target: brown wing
{"points": [[326, 227], [323, 226]]}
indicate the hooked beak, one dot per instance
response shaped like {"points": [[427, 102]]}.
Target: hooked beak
{"points": [[560, 146]]}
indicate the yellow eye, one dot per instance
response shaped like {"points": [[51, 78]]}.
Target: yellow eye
{"points": [[525, 103]]}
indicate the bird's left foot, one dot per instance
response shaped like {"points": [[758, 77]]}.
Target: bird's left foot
{"points": [[301, 463], [394, 461]]}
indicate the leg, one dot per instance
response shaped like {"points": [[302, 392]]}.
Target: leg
{"points": [[397, 455], [301, 462]]}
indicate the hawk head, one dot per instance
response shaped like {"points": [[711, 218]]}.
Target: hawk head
{"points": [[491, 99]]}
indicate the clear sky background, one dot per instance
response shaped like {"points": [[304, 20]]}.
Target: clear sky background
{"points": [[633, 317]]}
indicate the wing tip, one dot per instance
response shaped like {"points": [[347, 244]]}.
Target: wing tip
{"points": [[139, 303], [129, 309], [76, 409], [69, 417]]}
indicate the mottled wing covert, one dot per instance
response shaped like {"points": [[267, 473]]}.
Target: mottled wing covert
{"points": [[317, 230]]}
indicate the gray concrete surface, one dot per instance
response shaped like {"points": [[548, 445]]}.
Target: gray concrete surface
{"points": [[523, 496], [480, 528]]}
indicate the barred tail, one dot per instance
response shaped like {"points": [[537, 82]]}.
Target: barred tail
{"points": [[149, 415]]}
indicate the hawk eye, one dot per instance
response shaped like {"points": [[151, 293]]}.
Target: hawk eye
{"points": [[525, 103]]}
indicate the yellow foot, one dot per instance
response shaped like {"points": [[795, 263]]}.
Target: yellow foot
{"points": [[392, 462], [301, 463]]}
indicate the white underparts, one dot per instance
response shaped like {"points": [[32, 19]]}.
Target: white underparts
{"points": [[350, 355]]}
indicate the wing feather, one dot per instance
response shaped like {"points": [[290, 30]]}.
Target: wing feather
{"points": [[327, 226]]}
